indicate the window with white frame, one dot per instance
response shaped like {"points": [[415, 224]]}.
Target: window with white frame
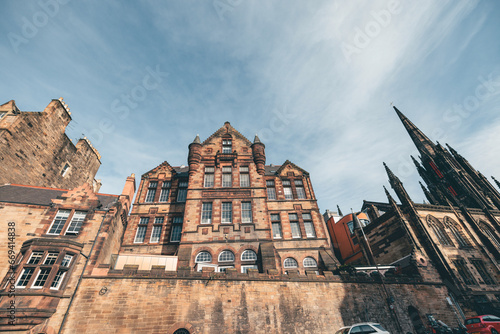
{"points": [[248, 255], [226, 256], [51, 258], [244, 177], [41, 278], [66, 260], [290, 262], [308, 225], [227, 177], [175, 234], [156, 232], [287, 189], [65, 170], [203, 257], [310, 262], [227, 146], [227, 212], [299, 189], [76, 223], [208, 181], [246, 212], [141, 230], [165, 191], [206, 213], [271, 190], [56, 283], [59, 221], [294, 225], [276, 226], [150, 196], [35, 258], [245, 267], [25, 277], [182, 191]]}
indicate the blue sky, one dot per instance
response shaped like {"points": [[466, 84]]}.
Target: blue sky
{"points": [[315, 80]]}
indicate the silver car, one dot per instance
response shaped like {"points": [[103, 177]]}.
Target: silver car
{"points": [[363, 328]]}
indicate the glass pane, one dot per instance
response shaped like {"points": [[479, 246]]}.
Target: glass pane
{"points": [[141, 234], [203, 257], [300, 192], [271, 193], [155, 235], [226, 180], [246, 212], [288, 192], [295, 229], [310, 233], [59, 221], [227, 212], [209, 180], [226, 256], [206, 213], [244, 180], [175, 236], [249, 255], [290, 263], [276, 230]]}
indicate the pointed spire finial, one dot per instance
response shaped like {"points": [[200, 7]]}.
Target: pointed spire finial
{"points": [[391, 175], [424, 145], [415, 161], [339, 211], [197, 140], [496, 181], [256, 140], [355, 221], [388, 194]]}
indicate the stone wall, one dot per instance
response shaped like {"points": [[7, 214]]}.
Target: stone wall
{"points": [[221, 304]]}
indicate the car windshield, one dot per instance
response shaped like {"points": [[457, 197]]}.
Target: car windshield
{"points": [[472, 321], [492, 318], [377, 326]]}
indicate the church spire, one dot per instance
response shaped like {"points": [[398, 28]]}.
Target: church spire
{"points": [[424, 145]]}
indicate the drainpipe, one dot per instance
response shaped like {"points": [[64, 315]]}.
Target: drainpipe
{"points": [[81, 275]]}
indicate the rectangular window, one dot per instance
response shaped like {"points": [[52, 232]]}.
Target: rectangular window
{"points": [[206, 213], [209, 177], [24, 278], [155, 234], [227, 212], [51, 258], [227, 179], [175, 234], [483, 272], [308, 225], [244, 268], [41, 278], [150, 197], [246, 212], [464, 272], [244, 177], [76, 223], [66, 260], [276, 226], [141, 230], [59, 221], [287, 189], [2, 114], [299, 188], [182, 191], [294, 225], [56, 283], [64, 170], [165, 191], [227, 146], [271, 190], [35, 257]]}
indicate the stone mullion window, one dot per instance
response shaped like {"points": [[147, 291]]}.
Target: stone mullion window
{"points": [[182, 191], [142, 228], [165, 191], [246, 212], [206, 213], [151, 194], [157, 228], [483, 272], [176, 229], [226, 212], [294, 226], [308, 225], [208, 180], [299, 189], [287, 189], [227, 146], [464, 272], [271, 190], [244, 177], [67, 220], [438, 229], [227, 177], [276, 228]]}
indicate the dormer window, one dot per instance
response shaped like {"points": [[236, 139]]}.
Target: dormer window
{"points": [[227, 146], [61, 220], [2, 114]]}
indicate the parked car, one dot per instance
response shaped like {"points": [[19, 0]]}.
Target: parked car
{"points": [[483, 324], [363, 328]]}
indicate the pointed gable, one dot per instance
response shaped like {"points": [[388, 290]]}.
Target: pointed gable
{"points": [[288, 167], [227, 129], [164, 167]]}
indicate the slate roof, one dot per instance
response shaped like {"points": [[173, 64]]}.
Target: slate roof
{"points": [[14, 193]]}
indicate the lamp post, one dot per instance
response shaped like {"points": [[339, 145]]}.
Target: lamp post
{"points": [[389, 299]]}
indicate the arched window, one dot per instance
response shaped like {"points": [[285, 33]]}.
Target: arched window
{"points": [[248, 255], [226, 256], [457, 232], [290, 263], [438, 229], [489, 232], [310, 262], [181, 331], [203, 257]]}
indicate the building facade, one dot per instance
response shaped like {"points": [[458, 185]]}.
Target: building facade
{"points": [[35, 150], [228, 209], [453, 238]]}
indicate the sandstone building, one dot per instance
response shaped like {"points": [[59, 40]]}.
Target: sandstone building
{"points": [[455, 237], [35, 150]]}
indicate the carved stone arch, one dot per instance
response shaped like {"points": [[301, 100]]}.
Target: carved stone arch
{"points": [[486, 228], [181, 328], [439, 230], [457, 231]]}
